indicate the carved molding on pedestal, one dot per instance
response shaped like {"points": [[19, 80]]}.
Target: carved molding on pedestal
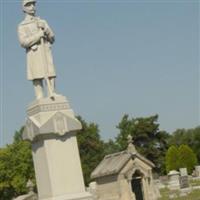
{"points": [[47, 117]]}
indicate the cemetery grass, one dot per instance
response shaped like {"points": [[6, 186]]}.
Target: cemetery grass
{"points": [[176, 195], [195, 182]]}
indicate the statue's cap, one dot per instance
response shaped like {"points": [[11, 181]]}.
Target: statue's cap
{"points": [[28, 1]]}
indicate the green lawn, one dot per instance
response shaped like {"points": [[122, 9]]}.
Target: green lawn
{"points": [[195, 182], [194, 195]]}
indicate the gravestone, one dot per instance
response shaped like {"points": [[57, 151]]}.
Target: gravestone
{"points": [[173, 180], [183, 172], [184, 181], [197, 171]]}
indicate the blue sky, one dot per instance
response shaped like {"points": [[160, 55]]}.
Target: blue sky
{"points": [[112, 58]]}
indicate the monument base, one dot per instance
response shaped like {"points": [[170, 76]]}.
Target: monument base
{"points": [[81, 196], [51, 127], [47, 117]]}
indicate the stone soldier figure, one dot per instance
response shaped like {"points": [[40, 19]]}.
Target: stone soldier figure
{"points": [[36, 37]]}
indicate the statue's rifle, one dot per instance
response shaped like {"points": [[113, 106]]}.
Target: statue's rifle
{"points": [[46, 67]]}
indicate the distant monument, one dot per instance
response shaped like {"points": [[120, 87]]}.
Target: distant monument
{"points": [[51, 125]]}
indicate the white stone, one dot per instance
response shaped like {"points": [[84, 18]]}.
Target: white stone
{"points": [[173, 180], [51, 127], [183, 172], [29, 196], [47, 116], [36, 36], [197, 171], [119, 174], [92, 189], [58, 169]]}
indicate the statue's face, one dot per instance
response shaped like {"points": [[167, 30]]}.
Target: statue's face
{"points": [[30, 8]]}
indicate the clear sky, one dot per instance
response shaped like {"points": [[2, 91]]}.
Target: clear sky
{"points": [[112, 57]]}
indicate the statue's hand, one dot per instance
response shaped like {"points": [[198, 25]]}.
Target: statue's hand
{"points": [[41, 33], [41, 25]]}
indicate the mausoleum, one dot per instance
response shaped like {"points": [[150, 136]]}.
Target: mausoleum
{"points": [[125, 175]]}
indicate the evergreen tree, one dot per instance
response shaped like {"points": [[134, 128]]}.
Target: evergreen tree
{"points": [[187, 158], [190, 137], [18, 135], [172, 159], [148, 139]]}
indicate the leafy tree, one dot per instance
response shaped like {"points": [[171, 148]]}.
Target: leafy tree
{"points": [[126, 127], [148, 139], [196, 142], [91, 147], [16, 168], [180, 158], [172, 159], [187, 158], [110, 147], [190, 137]]}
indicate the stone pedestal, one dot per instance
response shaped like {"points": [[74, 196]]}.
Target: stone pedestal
{"points": [[173, 180], [51, 127]]}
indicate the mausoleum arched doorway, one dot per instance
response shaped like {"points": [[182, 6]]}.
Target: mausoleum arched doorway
{"points": [[137, 186]]}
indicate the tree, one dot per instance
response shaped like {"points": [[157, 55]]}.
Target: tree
{"points": [[190, 137], [16, 168], [148, 139], [91, 147], [126, 127], [196, 142], [172, 159], [110, 147], [182, 157], [18, 135], [187, 158]]}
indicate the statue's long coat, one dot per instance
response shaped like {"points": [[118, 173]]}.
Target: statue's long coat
{"points": [[38, 65]]}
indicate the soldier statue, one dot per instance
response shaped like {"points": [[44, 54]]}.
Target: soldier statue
{"points": [[36, 37]]}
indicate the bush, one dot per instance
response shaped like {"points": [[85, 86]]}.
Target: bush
{"points": [[182, 157], [172, 159], [187, 158]]}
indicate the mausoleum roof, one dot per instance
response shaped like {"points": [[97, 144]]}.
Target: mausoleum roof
{"points": [[113, 163]]}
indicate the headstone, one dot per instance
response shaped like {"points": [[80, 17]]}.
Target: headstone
{"points": [[197, 171], [92, 189], [184, 182], [173, 180], [164, 179], [183, 172]]}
